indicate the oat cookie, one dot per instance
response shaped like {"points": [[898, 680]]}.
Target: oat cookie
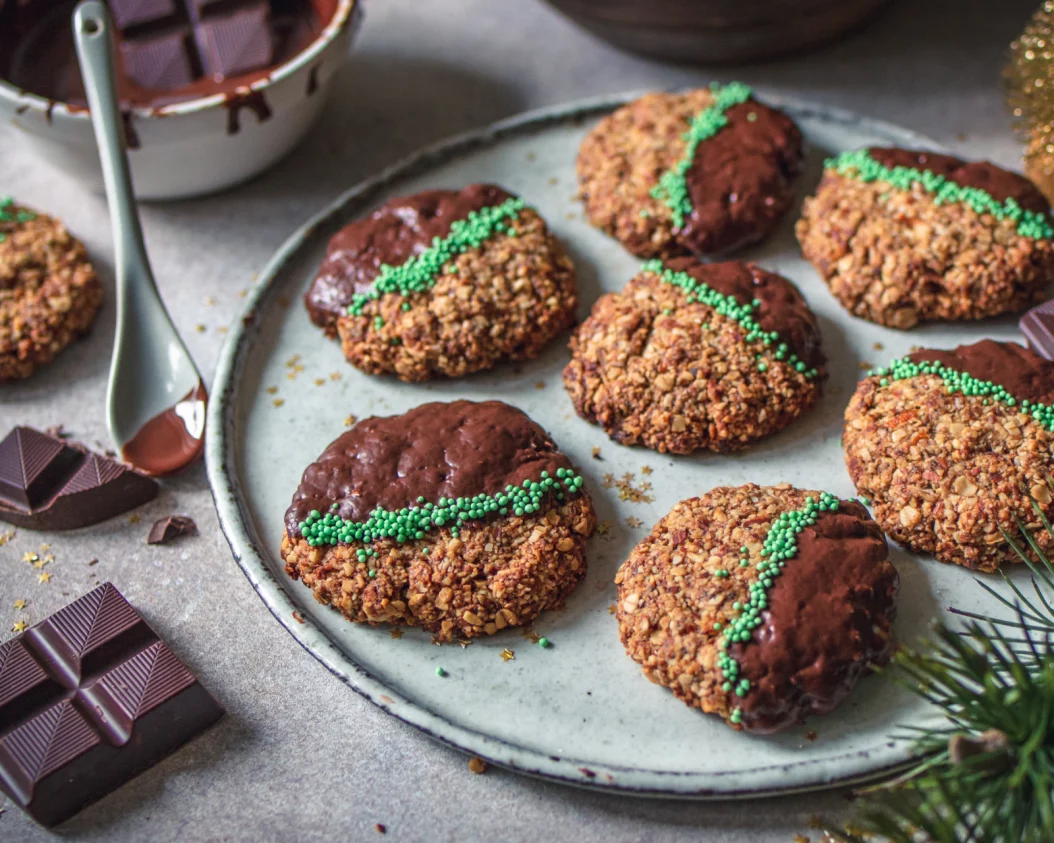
{"points": [[703, 171], [460, 518], [692, 355], [49, 293], [903, 237], [952, 445], [444, 283], [762, 604]]}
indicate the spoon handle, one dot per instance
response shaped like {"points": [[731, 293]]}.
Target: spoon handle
{"points": [[92, 32]]}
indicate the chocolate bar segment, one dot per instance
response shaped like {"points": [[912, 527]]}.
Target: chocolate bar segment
{"points": [[89, 698], [1038, 327], [47, 484]]}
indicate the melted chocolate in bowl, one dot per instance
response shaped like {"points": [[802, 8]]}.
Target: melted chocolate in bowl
{"points": [[168, 50]]}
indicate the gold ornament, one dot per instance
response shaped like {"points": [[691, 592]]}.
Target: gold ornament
{"points": [[1029, 81]]}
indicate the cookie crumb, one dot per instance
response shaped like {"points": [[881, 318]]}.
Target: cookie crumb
{"points": [[477, 765], [349, 421], [596, 452], [381, 828], [299, 618], [171, 528]]}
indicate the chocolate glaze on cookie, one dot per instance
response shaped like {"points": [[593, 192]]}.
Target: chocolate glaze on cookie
{"points": [[999, 183], [452, 450], [783, 309], [1019, 370], [395, 232], [828, 620], [740, 181]]}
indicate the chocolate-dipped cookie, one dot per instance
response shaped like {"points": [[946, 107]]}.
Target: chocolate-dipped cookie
{"points": [[953, 447], [762, 604], [702, 171], [444, 283], [461, 518], [49, 293], [696, 356], [903, 237]]}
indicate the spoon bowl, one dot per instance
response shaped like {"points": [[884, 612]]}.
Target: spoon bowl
{"points": [[156, 399]]}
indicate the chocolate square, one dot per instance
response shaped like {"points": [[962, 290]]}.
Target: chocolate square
{"points": [[1038, 327], [128, 13], [89, 698], [159, 62], [236, 43]]}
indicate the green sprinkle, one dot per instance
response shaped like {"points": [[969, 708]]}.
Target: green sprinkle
{"points": [[543, 642], [737, 716], [8, 215], [860, 165], [419, 273], [672, 188], [440, 672], [961, 382], [413, 523], [780, 544], [744, 314]]}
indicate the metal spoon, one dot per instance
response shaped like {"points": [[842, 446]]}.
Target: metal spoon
{"points": [[156, 399]]}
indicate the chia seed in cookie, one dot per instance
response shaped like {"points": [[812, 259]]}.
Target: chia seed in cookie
{"points": [[49, 293], [903, 237], [953, 446], [461, 518], [694, 356], [762, 604], [702, 171], [444, 283]]}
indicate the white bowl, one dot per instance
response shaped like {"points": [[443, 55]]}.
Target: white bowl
{"points": [[202, 145]]}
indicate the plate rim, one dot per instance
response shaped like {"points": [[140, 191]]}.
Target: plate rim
{"points": [[220, 458]]}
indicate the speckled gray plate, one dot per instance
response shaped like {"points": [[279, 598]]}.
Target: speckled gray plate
{"points": [[580, 712]]}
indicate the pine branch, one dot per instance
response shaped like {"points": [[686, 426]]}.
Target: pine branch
{"points": [[987, 775]]}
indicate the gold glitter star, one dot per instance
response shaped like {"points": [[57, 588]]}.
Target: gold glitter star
{"points": [[335, 376], [464, 642], [320, 381], [603, 527], [396, 633], [242, 294], [292, 361], [612, 609], [634, 522], [134, 519], [44, 548], [271, 390], [40, 563], [278, 402], [20, 604], [29, 556], [349, 421], [645, 469], [222, 329], [199, 328], [540, 385], [532, 636], [507, 655], [44, 577], [209, 301], [6, 536], [19, 626]]}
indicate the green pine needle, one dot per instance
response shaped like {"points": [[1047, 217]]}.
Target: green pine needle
{"points": [[988, 775]]}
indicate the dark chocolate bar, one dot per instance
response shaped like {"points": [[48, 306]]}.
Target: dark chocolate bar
{"points": [[47, 484], [167, 44], [89, 698], [1038, 327]]}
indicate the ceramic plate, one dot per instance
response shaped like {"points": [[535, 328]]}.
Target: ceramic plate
{"points": [[580, 711]]}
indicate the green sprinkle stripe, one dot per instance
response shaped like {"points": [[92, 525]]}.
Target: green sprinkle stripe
{"points": [[8, 215], [414, 522], [956, 381], [672, 188], [698, 291], [860, 165], [419, 272], [779, 546]]}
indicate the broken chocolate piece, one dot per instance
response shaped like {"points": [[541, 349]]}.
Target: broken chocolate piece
{"points": [[89, 698], [48, 484], [1038, 327], [167, 529]]}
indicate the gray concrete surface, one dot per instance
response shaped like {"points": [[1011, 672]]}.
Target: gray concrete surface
{"points": [[299, 756]]}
